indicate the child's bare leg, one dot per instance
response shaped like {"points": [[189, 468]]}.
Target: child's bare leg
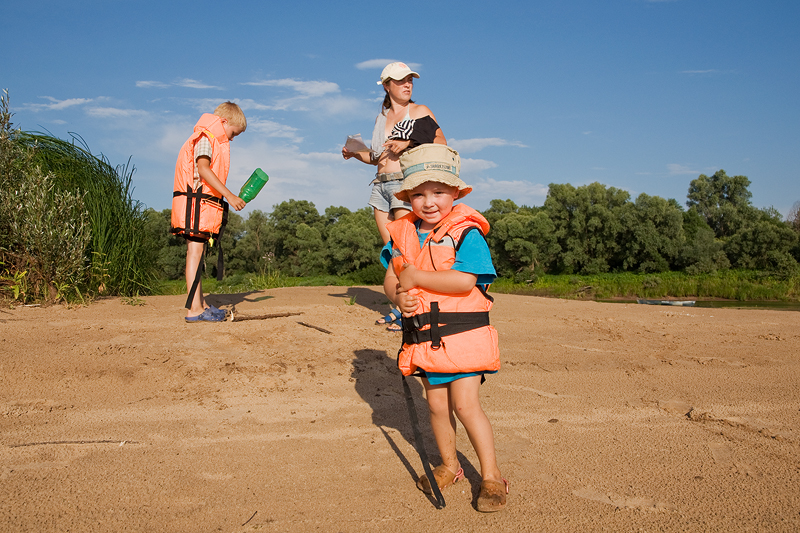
{"points": [[443, 423], [194, 254], [464, 395]]}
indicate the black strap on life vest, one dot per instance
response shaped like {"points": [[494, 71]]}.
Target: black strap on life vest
{"points": [[220, 258], [193, 200], [420, 445], [441, 325]]}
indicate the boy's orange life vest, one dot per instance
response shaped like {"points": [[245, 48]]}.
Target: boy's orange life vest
{"points": [[199, 212], [449, 332]]}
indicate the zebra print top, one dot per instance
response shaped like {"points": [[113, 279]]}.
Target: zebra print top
{"points": [[419, 131]]}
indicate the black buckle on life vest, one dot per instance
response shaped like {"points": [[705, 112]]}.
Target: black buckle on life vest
{"points": [[442, 325]]}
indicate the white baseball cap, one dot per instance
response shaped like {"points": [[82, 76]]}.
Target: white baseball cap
{"points": [[396, 71]]}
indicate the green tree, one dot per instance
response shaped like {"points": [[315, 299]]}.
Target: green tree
{"points": [[169, 250], [702, 251], [354, 241], [251, 248], [282, 237], [723, 201], [764, 245], [587, 225], [652, 234], [523, 245]]}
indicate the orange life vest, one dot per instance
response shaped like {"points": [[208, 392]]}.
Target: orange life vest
{"points": [[449, 332], [199, 212]]}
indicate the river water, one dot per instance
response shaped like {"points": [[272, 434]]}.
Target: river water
{"points": [[731, 304]]}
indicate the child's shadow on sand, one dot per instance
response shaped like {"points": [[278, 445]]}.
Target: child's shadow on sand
{"points": [[366, 297], [379, 383]]}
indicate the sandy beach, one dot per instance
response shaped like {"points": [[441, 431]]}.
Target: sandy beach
{"points": [[607, 417]]}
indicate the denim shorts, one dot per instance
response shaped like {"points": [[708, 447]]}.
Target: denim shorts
{"points": [[383, 198]]}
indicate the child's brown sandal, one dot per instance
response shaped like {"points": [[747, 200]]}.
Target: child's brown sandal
{"points": [[444, 478], [493, 496]]}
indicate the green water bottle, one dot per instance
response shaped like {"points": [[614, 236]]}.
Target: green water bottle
{"points": [[253, 185]]}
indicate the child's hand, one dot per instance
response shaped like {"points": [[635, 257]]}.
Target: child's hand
{"points": [[236, 202], [407, 278], [406, 302]]}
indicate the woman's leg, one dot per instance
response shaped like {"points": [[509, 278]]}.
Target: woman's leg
{"points": [[465, 399], [443, 423], [399, 213], [381, 219]]}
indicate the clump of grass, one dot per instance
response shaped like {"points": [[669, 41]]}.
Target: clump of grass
{"points": [[119, 256], [68, 222]]}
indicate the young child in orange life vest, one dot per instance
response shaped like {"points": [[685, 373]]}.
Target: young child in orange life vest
{"points": [[197, 203], [438, 269]]}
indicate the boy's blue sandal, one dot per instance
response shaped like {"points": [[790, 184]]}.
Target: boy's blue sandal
{"points": [[393, 315], [206, 316], [216, 311]]}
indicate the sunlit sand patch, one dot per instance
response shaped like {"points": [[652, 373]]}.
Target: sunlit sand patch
{"points": [[538, 392], [622, 502]]}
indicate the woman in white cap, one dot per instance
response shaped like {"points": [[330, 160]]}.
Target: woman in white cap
{"points": [[400, 125]]}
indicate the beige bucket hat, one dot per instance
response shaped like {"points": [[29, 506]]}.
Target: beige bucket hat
{"points": [[431, 162]]}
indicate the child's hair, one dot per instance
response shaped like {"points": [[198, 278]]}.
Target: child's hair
{"points": [[233, 113]]}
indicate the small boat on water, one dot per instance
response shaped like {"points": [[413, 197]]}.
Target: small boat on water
{"points": [[684, 303]]}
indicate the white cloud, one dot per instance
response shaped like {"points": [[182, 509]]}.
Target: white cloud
{"points": [[194, 84], [519, 191], [112, 112], [152, 85], [323, 178], [675, 169], [476, 165], [475, 145], [306, 88], [56, 105], [273, 129]]}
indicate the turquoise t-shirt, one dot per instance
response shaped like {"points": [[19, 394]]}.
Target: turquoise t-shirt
{"points": [[473, 257]]}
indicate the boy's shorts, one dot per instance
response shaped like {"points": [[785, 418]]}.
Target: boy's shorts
{"points": [[192, 238], [383, 198]]}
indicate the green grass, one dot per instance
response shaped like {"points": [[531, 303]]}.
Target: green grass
{"points": [[731, 285]]}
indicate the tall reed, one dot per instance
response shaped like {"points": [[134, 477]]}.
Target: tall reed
{"points": [[121, 261]]}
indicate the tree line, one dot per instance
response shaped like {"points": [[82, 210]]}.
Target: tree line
{"points": [[70, 228], [588, 229]]}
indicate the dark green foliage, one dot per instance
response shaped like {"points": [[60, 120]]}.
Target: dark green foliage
{"points": [[702, 252], [652, 234], [587, 226], [523, 245], [354, 241], [764, 245], [723, 201], [69, 224]]}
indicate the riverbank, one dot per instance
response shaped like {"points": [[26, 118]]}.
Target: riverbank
{"points": [[120, 416]]}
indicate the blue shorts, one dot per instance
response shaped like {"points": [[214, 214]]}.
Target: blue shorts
{"points": [[440, 378], [383, 198]]}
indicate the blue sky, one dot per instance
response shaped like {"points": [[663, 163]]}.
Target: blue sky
{"points": [[643, 95]]}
